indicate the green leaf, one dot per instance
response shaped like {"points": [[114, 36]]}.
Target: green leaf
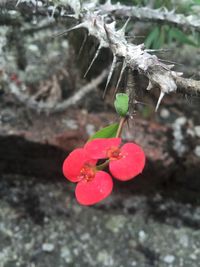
{"points": [[180, 37], [152, 37], [121, 104], [196, 2], [106, 132]]}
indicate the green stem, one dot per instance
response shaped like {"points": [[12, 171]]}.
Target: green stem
{"points": [[118, 134], [103, 165], [121, 124]]}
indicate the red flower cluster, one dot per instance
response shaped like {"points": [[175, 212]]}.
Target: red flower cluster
{"points": [[125, 162]]}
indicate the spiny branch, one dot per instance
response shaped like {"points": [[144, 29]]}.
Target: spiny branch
{"points": [[134, 57], [157, 15], [188, 86], [191, 22]]}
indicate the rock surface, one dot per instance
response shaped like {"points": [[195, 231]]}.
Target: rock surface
{"points": [[42, 225], [151, 221]]}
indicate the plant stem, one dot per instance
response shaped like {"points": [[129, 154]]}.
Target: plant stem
{"points": [[103, 165], [121, 124]]}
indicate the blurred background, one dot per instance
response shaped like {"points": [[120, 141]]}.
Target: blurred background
{"points": [[151, 221]]}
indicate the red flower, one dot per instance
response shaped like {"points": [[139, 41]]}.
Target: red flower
{"points": [[93, 185], [125, 162]]}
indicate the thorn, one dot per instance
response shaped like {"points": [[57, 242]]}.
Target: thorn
{"points": [[158, 50], [107, 28], [120, 75], [141, 103], [71, 29], [18, 2], [62, 12], [150, 86], [172, 11], [175, 74], [160, 99], [135, 37], [107, 3], [111, 26], [82, 45], [169, 61], [123, 29], [110, 74], [53, 11], [95, 56]]}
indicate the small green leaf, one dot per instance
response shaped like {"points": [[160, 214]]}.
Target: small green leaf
{"points": [[176, 34], [106, 132], [152, 37], [121, 104]]}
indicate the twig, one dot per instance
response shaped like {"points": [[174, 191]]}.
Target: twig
{"points": [[59, 107], [188, 86]]}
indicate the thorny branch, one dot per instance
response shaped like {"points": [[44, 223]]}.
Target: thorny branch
{"points": [[135, 57], [188, 86], [157, 15], [95, 18], [119, 10]]}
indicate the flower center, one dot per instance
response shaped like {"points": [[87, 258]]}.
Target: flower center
{"points": [[87, 173], [114, 153]]}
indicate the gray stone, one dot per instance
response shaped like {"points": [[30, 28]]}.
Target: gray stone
{"points": [[105, 258], [169, 259], [193, 256], [197, 130], [142, 236], [66, 254], [98, 236], [48, 247], [71, 124], [116, 223], [90, 129], [184, 241], [180, 121], [197, 151], [164, 113]]}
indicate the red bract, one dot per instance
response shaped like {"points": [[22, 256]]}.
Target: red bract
{"points": [[93, 185], [125, 162]]}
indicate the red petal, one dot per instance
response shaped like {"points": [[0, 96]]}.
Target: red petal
{"points": [[130, 165], [92, 192], [74, 162], [97, 148]]}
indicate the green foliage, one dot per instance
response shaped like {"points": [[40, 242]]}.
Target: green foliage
{"points": [[121, 104], [165, 34], [178, 35], [152, 40], [106, 132]]}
